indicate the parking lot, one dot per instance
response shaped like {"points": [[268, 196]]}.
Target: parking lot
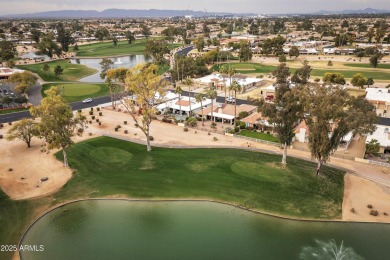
{"points": [[8, 96]]}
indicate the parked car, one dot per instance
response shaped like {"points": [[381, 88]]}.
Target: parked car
{"points": [[230, 100], [87, 100], [269, 97]]}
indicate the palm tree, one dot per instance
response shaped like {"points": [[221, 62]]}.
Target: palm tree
{"points": [[178, 90], [225, 69], [188, 82], [212, 94], [235, 87], [199, 98]]}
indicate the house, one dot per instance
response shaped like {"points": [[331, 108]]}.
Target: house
{"points": [[382, 135], [225, 112], [380, 98], [6, 72], [185, 104], [256, 120]]}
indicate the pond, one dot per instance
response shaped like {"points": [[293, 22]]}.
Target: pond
{"points": [[121, 229], [119, 62]]}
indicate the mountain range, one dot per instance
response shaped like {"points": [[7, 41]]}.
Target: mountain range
{"points": [[122, 13]]}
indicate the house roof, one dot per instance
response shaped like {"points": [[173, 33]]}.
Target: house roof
{"points": [[252, 118], [227, 109], [378, 94], [381, 134]]}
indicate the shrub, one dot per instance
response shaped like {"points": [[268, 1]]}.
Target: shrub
{"points": [[90, 134], [9, 123], [136, 125], [97, 120], [369, 206], [100, 123], [384, 213], [79, 110], [1, 136], [93, 117], [80, 130], [126, 132], [100, 113], [151, 138], [116, 129], [119, 110], [215, 138], [1, 125], [192, 122], [243, 114], [90, 121], [98, 109], [125, 122], [374, 212], [91, 113], [317, 79], [237, 129], [158, 113], [249, 128], [118, 126], [91, 108], [242, 125], [185, 129], [353, 210]]}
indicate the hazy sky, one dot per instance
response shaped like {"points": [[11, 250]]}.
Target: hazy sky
{"points": [[238, 6]]}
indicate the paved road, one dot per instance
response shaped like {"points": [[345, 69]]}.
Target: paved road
{"points": [[75, 106], [96, 101]]}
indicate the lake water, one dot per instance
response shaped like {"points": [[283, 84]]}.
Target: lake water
{"points": [[119, 62], [119, 229]]}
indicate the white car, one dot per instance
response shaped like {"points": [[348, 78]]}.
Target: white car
{"points": [[88, 100], [230, 100]]}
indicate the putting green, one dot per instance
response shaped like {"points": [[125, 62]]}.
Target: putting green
{"points": [[110, 155], [75, 90]]}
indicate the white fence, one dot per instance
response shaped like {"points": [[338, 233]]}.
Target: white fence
{"points": [[257, 140], [379, 163]]}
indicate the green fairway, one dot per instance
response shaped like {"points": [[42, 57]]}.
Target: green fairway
{"points": [[259, 135], [8, 111], [247, 67], [376, 75], [366, 65], [105, 49], [108, 167], [72, 72], [79, 91], [252, 68]]}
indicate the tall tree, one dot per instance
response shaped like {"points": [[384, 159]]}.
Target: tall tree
{"points": [[147, 87], [145, 30], [64, 37], [57, 123], [47, 45], [105, 64], [245, 51], [200, 98], [358, 80], [330, 114], [374, 59], [130, 37], [284, 112], [294, 51], [235, 87], [334, 78], [58, 70], [156, 49], [302, 75], [24, 81], [189, 83], [179, 91], [212, 94], [7, 51], [46, 68], [115, 81], [24, 130]]}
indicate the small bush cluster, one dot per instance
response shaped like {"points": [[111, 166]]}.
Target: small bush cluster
{"points": [[100, 123], [185, 129], [1, 125], [126, 132], [98, 109], [100, 113], [9, 123], [80, 130], [158, 113], [118, 126], [1, 136], [93, 117], [116, 129], [192, 122], [151, 138], [215, 138], [374, 212], [90, 113], [166, 120], [125, 122]]}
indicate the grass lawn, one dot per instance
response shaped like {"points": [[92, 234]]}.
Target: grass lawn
{"points": [[79, 91], [72, 72], [103, 49], [366, 65], [106, 167], [247, 67], [251, 68], [8, 111], [259, 135]]}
